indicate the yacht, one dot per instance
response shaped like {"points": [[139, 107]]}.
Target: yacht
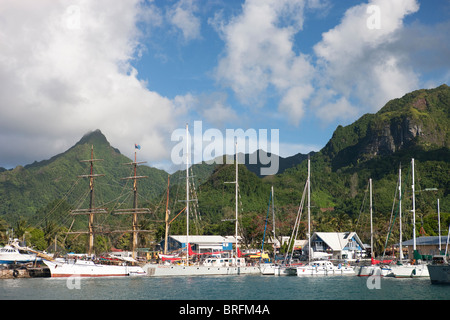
{"points": [[324, 268], [211, 266], [13, 252], [408, 270]]}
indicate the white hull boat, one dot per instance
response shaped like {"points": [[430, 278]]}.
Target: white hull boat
{"points": [[180, 270], [13, 253], [268, 269], [409, 271], [285, 271], [323, 268], [212, 266], [367, 271], [88, 268]]}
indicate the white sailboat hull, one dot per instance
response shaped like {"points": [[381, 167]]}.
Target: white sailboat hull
{"points": [[155, 270], [83, 268], [367, 271], [285, 271], [324, 268], [268, 269], [409, 271]]}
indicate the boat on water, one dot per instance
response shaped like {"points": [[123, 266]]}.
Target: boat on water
{"points": [[323, 268], [14, 253], [277, 269], [268, 268], [439, 270], [61, 267], [376, 268], [409, 270], [232, 265], [211, 266], [416, 269]]}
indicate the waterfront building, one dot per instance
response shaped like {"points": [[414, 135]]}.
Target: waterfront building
{"points": [[336, 245]]}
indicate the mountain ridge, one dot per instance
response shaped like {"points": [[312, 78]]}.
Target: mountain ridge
{"points": [[415, 125]]}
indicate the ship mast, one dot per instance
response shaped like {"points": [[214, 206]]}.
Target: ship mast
{"points": [[92, 209], [135, 210], [166, 237], [187, 194]]}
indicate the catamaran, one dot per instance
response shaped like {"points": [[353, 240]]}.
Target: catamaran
{"points": [[318, 267], [377, 267], [233, 265]]}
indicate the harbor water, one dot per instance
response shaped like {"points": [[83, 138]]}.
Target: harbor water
{"points": [[242, 287]]}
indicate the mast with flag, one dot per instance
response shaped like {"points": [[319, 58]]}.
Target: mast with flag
{"points": [[135, 210]]}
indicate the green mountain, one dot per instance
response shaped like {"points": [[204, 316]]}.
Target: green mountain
{"points": [[417, 121], [414, 126], [374, 146], [24, 190]]}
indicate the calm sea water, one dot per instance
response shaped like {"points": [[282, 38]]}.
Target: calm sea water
{"points": [[243, 287]]}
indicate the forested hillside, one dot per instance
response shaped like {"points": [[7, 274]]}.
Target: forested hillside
{"points": [[375, 146]]}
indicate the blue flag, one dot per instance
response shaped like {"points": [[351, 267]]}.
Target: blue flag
{"points": [[136, 146]]}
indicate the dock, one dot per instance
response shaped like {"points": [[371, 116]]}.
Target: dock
{"points": [[14, 272]]}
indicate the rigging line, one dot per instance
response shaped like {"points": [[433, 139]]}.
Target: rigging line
{"points": [[299, 214], [59, 203], [296, 225], [118, 203], [393, 205]]}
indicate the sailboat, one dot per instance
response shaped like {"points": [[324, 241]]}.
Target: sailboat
{"points": [[212, 266], [90, 267], [268, 268], [318, 267], [439, 269], [410, 270], [374, 268]]}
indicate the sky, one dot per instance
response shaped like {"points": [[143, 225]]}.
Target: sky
{"points": [[141, 70]]}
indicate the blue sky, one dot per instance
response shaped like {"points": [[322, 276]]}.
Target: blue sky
{"points": [[139, 70]]}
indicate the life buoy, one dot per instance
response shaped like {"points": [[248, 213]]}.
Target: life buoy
{"points": [[15, 273]]}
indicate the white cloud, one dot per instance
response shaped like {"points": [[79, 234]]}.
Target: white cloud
{"points": [[182, 16], [259, 55], [361, 63], [65, 70]]}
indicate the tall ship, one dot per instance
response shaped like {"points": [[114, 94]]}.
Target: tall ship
{"points": [[89, 265], [61, 267]]}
